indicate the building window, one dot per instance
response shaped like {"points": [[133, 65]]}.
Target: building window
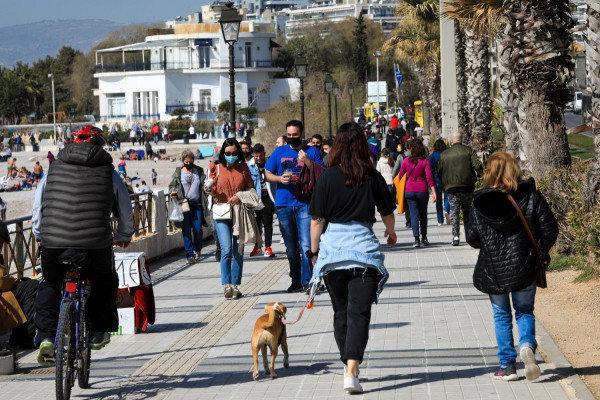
{"points": [[205, 100], [204, 54], [248, 55], [116, 105]]}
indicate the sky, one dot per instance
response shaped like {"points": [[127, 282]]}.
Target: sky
{"points": [[15, 12]]}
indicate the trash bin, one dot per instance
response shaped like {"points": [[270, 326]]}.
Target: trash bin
{"points": [[36, 146], [186, 138]]}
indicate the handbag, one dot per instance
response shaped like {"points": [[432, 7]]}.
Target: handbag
{"points": [[400, 183], [221, 211], [185, 204], [544, 261]]}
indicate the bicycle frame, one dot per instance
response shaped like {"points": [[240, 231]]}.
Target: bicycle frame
{"points": [[74, 291]]}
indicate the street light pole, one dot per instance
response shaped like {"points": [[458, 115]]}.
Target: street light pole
{"points": [[51, 76], [377, 55], [230, 22], [336, 89], [328, 89], [301, 71], [350, 92]]}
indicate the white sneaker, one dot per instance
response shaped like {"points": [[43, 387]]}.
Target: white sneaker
{"points": [[447, 218], [532, 370], [282, 241], [352, 384]]}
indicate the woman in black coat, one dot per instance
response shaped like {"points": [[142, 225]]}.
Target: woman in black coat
{"points": [[508, 265]]}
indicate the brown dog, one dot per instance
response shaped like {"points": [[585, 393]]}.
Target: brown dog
{"points": [[269, 331]]}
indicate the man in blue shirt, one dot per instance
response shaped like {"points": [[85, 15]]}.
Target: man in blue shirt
{"points": [[283, 168]]}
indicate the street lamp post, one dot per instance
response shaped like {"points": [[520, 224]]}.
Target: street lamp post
{"points": [[350, 92], [336, 90], [51, 76], [230, 22], [301, 72], [328, 89], [377, 55]]}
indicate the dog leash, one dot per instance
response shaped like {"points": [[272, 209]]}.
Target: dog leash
{"points": [[299, 316]]}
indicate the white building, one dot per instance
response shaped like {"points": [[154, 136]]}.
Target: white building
{"points": [[187, 65]]}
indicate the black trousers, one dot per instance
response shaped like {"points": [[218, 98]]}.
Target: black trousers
{"points": [[264, 218], [352, 292], [101, 307], [25, 293]]}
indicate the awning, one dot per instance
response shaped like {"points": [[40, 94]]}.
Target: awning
{"points": [[273, 44], [147, 45]]}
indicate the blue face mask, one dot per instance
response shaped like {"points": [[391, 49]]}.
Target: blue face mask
{"points": [[231, 159]]}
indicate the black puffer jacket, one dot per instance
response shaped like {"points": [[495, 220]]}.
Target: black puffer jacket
{"points": [[507, 261]]}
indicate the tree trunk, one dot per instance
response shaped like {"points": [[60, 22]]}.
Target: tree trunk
{"points": [[509, 100], [461, 82], [593, 65], [547, 132], [479, 87]]}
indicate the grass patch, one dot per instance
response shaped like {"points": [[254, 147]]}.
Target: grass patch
{"points": [[498, 138], [581, 141], [583, 264], [581, 146]]}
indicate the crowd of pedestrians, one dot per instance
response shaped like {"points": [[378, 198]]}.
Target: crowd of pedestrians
{"points": [[325, 195]]}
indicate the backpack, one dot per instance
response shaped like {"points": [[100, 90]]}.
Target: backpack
{"points": [[374, 149]]}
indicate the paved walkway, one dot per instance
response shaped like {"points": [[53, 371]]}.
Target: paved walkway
{"points": [[431, 337]]}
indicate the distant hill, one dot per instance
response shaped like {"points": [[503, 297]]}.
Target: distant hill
{"points": [[30, 42]]}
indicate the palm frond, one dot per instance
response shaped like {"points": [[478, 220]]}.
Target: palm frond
{"points": [[482, 16]]}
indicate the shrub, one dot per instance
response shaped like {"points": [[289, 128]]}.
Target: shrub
{"points": [[579, 224]]}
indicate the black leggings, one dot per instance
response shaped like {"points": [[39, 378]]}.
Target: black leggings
{"points": [[264, 218], [352, 292]]}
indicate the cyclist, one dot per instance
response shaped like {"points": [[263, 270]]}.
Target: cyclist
{"points": [[72, 209]]}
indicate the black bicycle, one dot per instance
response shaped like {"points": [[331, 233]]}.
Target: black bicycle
{"points": [[71, 347]]}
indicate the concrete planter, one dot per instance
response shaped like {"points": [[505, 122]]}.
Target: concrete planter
{"points": [[7, 363]]}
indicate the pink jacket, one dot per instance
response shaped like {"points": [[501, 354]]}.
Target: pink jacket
{"points": [[420, 179]]}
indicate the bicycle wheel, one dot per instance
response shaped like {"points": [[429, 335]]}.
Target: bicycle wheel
{"points": [[65, 352], [83, 358]]}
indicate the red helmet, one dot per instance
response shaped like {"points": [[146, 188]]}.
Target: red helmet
{"points": [[90, 134]]}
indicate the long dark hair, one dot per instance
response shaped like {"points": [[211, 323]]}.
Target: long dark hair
{"points": [[417, 151], [439, 145], [351, 152], [228, 143]]}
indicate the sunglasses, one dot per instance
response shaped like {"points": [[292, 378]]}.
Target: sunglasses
{"points": [[231, 153]]}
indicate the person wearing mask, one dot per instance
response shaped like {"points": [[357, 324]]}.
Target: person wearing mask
{"points": [[186, 184], [60, 223], [230, 176], [418, 182], [348, 256], [442, 205], [326, 149], [264, 217], [283, 168], [317, 141], [247, 152], [508, 265]]}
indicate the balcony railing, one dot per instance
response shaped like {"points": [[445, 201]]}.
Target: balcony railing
{"points": [[158, 66]]}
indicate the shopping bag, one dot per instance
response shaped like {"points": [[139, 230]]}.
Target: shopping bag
{"points": [[400, 184], [175, 213]]}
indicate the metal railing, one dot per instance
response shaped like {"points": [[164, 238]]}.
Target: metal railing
{"points": [[22, 252], [170, 226], [157, 66]]}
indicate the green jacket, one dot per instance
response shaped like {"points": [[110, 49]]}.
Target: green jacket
{"points": [[176, 186], [459, 167]]}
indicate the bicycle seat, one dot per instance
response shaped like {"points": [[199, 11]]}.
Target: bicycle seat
{"points": [[74, 257]]}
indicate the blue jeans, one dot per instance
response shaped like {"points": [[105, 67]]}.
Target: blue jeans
{"points": [[440, 206], [294, 222], [192, 225], [523, 304], [231, 267], [417, 204]]}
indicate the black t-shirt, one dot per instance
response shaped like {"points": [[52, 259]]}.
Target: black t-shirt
{"points": [[338, 203]]}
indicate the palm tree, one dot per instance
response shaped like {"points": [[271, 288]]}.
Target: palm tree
{"points": [[593, 59], [462, 95], [480, 21], [536, 48], [418, 40]]}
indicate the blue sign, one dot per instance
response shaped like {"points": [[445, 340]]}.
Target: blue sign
{"points": [[399, 78], [202, 42]]}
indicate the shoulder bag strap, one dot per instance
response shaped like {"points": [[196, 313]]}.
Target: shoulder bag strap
{"points": [[411, 171], [526, 225]]}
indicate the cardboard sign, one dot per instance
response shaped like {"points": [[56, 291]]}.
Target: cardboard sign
{"points": [[131, 269], [126, 322]]}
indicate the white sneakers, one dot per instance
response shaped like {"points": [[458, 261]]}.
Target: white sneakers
{"points": [[532, 370], [351, 383]]}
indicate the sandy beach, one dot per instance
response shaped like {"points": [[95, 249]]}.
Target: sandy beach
{"points": [[19, 203]]}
